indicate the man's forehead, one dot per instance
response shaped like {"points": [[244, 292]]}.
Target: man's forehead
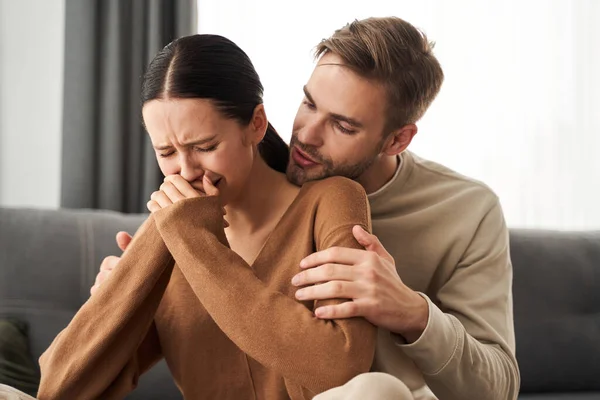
{"points": [[339, 89], [331, 67]]}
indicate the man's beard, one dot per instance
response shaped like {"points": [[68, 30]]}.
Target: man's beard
{"points": [[326, 168]]}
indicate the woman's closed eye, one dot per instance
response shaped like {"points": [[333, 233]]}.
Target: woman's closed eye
{"points": [[207, 149], [169, 153], [166, 155]]}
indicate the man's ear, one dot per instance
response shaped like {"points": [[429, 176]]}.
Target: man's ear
{"points": [[399, 140], [258, 125]]}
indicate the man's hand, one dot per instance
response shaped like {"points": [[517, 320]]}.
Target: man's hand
{"points": [[367, 277], [110, 262]]}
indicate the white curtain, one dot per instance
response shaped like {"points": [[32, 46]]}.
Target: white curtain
{"points": [[520, 107]]}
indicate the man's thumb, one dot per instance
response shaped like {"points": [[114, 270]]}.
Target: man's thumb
{"points": [[123, 240], [363, 237], [370, 242]]}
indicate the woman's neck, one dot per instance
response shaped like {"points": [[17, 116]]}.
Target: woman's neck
{"points": [[267, 195]]}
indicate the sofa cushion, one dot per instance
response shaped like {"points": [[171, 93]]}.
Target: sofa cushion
{"points": [[556, 290], [17, 367], [562, 396]]}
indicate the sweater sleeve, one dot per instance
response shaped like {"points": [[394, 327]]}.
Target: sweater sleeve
{"points": [[467, 349], [272, 328], [112, 339]]}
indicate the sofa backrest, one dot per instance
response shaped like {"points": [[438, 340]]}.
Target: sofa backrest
{"points": [[48, 262], [556, 292]]}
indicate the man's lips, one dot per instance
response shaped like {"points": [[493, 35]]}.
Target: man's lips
{"points": [[302, 158]]}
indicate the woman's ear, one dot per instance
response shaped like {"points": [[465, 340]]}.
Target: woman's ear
{"points": [[258, 125], [399, 140]]}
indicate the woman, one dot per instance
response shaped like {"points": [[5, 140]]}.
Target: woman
{"points": [[217, 303]]}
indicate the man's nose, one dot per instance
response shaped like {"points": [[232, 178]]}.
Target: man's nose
{"points": [[311, 134]]}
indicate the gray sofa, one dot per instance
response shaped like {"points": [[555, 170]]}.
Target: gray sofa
{"points": [[48, 261]]}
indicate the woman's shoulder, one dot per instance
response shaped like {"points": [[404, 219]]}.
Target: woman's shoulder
{"points": [[338, 204], [336, 191], [335, 185]]}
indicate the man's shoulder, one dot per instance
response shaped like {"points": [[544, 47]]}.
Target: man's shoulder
{"points": [[449, 183]]}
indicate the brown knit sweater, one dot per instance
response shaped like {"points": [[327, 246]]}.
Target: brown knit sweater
{"points": [[226, 329]]}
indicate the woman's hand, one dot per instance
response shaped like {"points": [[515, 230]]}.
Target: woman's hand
{"points": [[175, 188]]}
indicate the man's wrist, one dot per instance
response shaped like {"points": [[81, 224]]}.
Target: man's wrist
{"points": [[418, 324]]}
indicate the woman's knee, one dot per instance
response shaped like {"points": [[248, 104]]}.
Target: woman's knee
{"points": [[372, 385], [10, 393]]}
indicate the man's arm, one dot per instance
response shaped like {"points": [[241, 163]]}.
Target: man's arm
{"points": [[468, 346], [464, 345]]}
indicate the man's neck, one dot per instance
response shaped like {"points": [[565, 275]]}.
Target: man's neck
{"points": [[379, 173]]}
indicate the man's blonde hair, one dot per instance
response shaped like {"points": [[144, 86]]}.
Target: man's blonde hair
{"points": [[395, 54]]}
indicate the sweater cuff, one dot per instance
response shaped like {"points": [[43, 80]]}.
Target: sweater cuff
{"points": [[437, 345], [199, 212]]}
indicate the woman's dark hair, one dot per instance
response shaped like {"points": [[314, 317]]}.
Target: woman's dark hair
{"points": [[213, 67]]}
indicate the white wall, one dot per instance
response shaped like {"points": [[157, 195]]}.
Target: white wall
{"points": [[518, 108], [31, 81]]}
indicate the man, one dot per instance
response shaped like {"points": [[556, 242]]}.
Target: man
{"points": [[441, 292]]}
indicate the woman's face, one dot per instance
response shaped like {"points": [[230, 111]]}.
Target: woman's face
{"points": [[191, 138]]}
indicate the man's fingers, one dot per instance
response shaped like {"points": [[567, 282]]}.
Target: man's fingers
{"points": [[102, 275], [100, 280], [370, 242], [329, 290], [324, 273], [333, 255], [348, 309], [362, 237], [109, 263], [123, 240]]}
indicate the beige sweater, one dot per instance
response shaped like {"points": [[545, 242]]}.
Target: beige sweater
{"points": [[226, 329], [450, 242]]}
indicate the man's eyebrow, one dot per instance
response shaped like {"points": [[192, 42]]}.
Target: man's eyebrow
{"points": [[307, 94], [338, 117], [348, 120], [190, 144]]}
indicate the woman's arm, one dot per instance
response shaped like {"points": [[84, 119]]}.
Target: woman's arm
{"points": [[274, 329], [112, 339]]}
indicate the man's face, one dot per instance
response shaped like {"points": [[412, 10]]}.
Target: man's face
{"points": [[338, 129]]}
